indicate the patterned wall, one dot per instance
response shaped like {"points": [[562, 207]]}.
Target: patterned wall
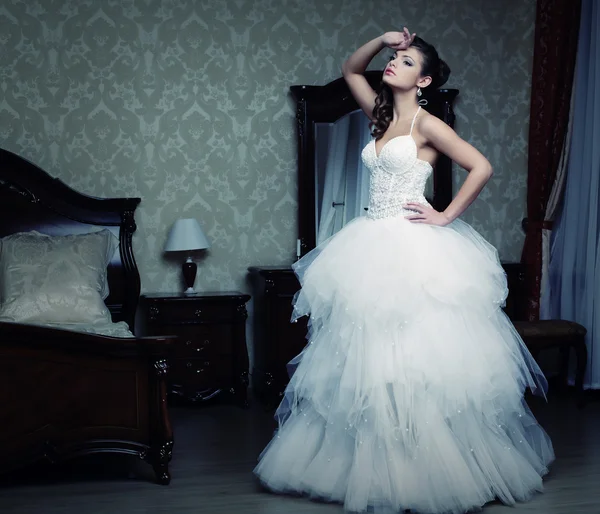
{"points": [[186, 104]]}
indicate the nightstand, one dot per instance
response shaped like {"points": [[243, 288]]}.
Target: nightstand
{"points": [[210, 355]]}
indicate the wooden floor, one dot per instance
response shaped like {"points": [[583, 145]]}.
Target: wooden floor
{"points": [[216, 449]]}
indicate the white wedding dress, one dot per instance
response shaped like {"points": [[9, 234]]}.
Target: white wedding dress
{"points": [[409, 393]]}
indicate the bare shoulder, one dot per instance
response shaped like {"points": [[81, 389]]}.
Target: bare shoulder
{"points": [[439, 135], [431, 127]]}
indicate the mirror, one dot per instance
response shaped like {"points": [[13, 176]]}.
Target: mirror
{"points": [[333, 184]]}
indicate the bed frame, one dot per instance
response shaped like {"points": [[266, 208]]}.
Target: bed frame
{"points": [[65, 394]]}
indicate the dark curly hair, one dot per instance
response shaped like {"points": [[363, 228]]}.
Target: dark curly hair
{"points": [[432, 66]]}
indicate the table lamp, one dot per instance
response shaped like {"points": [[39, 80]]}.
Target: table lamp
{"points": [[186, 236]]}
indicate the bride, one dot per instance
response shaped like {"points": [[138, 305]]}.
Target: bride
{"points": [[409, 393]]}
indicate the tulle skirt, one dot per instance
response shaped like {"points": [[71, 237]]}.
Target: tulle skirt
{"points": [[409, 393]]}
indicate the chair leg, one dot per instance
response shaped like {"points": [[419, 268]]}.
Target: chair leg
{"points": [[564, 353], [582, 356]]}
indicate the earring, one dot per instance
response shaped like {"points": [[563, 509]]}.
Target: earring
{"points": [[419, 91]]}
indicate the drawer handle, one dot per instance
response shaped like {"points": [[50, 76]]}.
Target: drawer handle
{"points": [[201, 347], [205, 364], [154, 312], [198, 312]]}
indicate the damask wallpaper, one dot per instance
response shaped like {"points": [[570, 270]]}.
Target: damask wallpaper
{"points": [[185, 103]]}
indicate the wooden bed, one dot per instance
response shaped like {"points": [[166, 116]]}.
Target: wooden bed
{"points": [[63, 393]]}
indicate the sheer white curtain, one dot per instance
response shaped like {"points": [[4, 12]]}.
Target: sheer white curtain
{"points": [[573, 291], [341, 176]]}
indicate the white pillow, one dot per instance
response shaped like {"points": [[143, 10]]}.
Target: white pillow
{"points": [[50, 279]]}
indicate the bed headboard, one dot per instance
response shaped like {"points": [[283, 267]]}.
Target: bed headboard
{"points": [[30, 199]]}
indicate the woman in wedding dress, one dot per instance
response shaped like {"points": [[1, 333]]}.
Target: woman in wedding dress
{"points": [[410, 392]]}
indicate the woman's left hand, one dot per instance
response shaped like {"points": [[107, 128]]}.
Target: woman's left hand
{"points": [[398, 40], [426, 214]]}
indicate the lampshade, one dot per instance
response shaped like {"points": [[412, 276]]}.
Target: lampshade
{"points": [[186, 235]]}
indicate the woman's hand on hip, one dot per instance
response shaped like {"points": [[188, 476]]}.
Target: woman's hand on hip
{"points": [[426, 214]]}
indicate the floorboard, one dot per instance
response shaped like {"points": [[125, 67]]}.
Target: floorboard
{"points": [[215, 451]]}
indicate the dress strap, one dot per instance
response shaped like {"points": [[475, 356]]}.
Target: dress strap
{"points": [[413, 121]]}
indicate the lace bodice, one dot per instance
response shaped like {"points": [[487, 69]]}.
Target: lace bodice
{"points": [[397, 176]]}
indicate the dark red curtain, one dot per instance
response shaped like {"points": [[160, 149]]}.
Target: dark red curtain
{"points": [[555, 50]]}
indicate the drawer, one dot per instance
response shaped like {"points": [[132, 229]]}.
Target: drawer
{"points": [[210, 372], [182, 311], [198, 346], [195, 341]]}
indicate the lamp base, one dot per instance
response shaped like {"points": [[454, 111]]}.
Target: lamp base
{"points": [[189, 268]]}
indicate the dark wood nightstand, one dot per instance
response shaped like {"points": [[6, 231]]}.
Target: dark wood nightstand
{"points": [[210, 356]]}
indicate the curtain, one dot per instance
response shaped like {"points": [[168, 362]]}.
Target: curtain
{"points": [[556, 196], [574, 273], [555, 48]]}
